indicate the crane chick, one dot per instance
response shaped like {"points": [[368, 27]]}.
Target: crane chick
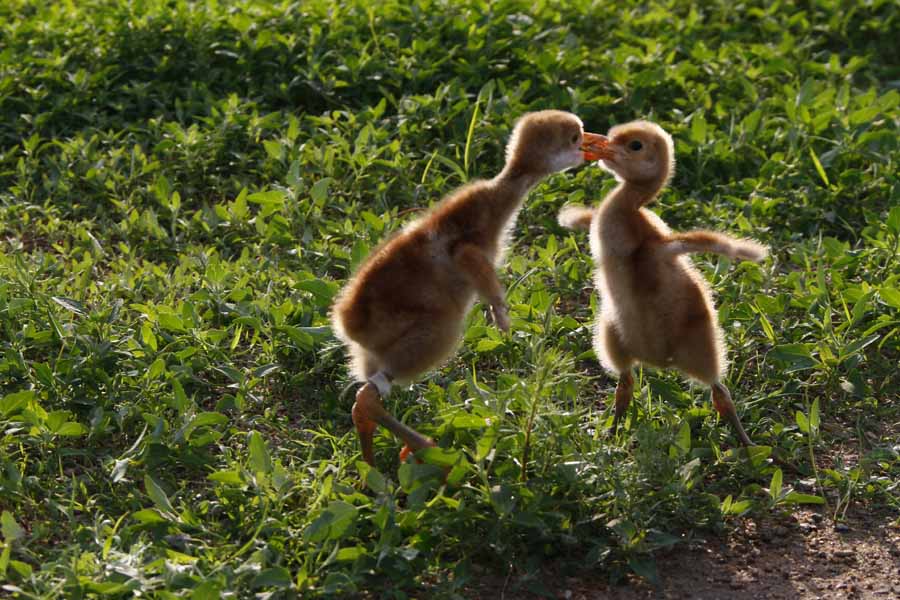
{"points": [[656, 308], [402, 313]]}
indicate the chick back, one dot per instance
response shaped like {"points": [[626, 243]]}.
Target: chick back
{"points": [[409, 279]]}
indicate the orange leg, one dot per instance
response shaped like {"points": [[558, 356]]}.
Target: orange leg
{"points": [[721, 398], [368, 413], [624, 392], [407, 450]]}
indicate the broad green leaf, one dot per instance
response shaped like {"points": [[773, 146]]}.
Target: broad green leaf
{"points": [[890, 295], [442, 457], [147, 335], [893, 222], [171, 321], [319, 191], [272, 199], [302, 339], [857, 345], [485, 444], [729, 507], [149, 516], [228, 477], [71, 305], [106, 588], [157, 368], [71, 429], [159, 497], [802, 422], [359, 252], [373, 478], [323, 291], [333, 523], [625, 529], [294, 127], [274, 149], [683, 439], [265, 370], [798, 498], [277, 577], [775, 485], [207, 419], [488, 344], [645, 566], [503, 499], [208, 590], [350, 554], [180, 557], [758, 454], [238, 208], [15, 402], [22, 569], [204, 419], [260, 461], [467, 421], [864, 115], [413, 476], [12, 531], [374, 221], [179, 397], [751, 121], [797, 356], [698, 128], [725, 505]]}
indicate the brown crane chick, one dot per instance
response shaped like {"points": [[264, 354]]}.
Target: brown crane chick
{"points": [[402, 313], [655, 307]]}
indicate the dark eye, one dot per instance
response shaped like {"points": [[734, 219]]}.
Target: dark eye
{"points": [[575, 138], [635, 145]]}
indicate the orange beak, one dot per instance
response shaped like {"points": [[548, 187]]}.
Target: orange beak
{"points": [[595, 146]]}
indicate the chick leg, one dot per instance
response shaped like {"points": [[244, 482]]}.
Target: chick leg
{"points": [[624, 392], [368, 412], [725, 406], [481, 274]]}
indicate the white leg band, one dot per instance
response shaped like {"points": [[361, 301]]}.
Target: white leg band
{"points": [[381, 381]]}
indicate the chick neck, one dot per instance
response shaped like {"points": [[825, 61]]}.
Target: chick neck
{"points": [[632, 195], [513, 183], [518, 179]]}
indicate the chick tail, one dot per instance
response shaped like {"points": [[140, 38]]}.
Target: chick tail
{"points": [[717, 243], [575, 216]]}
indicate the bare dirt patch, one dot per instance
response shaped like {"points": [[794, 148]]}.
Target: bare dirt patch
{"points": [[796, 556]]}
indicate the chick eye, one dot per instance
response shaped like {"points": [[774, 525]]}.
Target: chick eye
{"points": [[635, 145], [575, 137]]}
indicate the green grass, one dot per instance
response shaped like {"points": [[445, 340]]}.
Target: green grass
{"points": [[185, 185]]}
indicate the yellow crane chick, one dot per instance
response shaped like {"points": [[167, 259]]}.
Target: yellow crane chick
{"points": [[656, 308], [402, 313]]}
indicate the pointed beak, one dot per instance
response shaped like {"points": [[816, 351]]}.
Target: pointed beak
{"points": [[595, 147]]}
